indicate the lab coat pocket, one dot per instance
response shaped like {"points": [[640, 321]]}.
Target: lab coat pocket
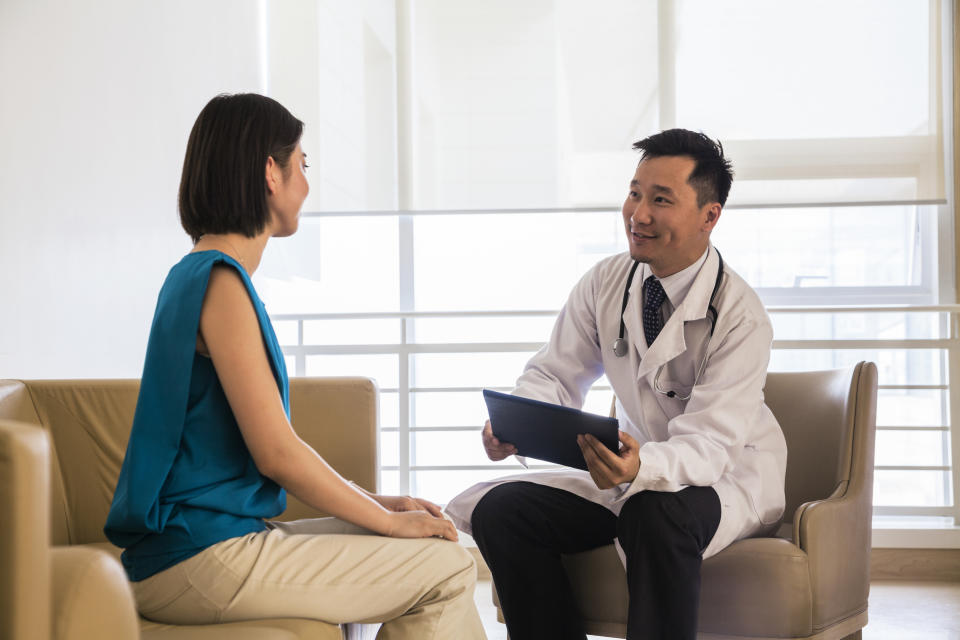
{"points": [[673, 389], [672, 393], [767, 495], [672, 383]]}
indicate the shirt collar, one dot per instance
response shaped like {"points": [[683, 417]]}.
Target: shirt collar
{"points": [[677, 285]]}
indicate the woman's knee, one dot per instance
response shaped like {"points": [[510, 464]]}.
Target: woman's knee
{"points": [[455, 568]]}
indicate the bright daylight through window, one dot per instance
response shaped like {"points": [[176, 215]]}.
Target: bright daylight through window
{"points": [[472, 158]]}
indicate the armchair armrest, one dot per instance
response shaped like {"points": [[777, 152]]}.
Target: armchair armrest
{"points": [[338, 417], [836, 531], [91, 596], [836, 534], [25, 533]]}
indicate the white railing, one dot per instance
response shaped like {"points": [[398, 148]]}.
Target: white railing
{"points": [[946, 339]]}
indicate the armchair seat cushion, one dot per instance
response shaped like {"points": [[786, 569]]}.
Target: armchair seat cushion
{"points": [[91, 596], [757, 587], [748, 589], [266, 629], [262, 629]]}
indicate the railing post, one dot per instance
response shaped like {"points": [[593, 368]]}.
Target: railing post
{"points": [[300, 360], [403, 394], [953, 391]]}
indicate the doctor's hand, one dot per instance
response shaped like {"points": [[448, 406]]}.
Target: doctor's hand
{"points": [[607, 468], [496, 450]]}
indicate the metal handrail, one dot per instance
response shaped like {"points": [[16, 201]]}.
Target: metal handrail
{"points": [[405, 349], [388, 315]]}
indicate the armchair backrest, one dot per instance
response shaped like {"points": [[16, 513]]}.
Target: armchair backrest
{"points": [[89, 422], [819, 412], [339, 418], [17, 403]]}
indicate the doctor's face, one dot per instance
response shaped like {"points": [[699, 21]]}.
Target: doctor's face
{"points": [[665, 227]]}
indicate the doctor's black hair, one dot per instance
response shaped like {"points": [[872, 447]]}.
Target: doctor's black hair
{"points": [[223, 187], [712, 173]]}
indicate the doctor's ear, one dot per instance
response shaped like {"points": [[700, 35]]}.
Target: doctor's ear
{"points": [[712, 215]]}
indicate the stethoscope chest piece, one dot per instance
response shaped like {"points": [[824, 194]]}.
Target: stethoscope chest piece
{"points": [[620, 347]]}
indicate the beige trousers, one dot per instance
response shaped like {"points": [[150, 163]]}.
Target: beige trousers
{"points": [[324, 569]]}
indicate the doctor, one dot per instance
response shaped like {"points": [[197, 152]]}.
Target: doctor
{"points": [[685, 344]]}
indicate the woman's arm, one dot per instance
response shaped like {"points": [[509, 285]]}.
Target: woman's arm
{"points": [[231, 332]]}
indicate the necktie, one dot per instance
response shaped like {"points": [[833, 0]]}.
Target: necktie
{"points": [[653, 298]]}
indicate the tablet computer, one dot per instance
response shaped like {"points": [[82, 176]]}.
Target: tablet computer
{"points": [[547, 431]]}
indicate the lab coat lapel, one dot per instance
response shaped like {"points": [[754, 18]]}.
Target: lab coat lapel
{"points": [[670, 343]]}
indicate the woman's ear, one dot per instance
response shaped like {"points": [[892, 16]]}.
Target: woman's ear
{"points": [[273, 176]]}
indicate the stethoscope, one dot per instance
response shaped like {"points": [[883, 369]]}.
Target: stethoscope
{"points": [[620, 345]]}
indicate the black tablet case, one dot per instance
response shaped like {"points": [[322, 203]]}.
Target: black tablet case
{"points": [[547, 431]]}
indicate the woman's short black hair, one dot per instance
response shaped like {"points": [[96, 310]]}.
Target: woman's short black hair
{"points": [[223, 188], [712, 173]]}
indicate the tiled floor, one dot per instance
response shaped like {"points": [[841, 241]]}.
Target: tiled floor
{"points": [[898, 611]]}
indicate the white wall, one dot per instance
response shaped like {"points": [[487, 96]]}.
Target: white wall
{"points": [[96, 103]]}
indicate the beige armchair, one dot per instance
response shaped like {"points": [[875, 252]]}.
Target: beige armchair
{"points": [[61, 446], [812, 580]]}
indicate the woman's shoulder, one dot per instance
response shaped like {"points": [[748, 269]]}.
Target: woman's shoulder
{"points": [[226, 284], [188, 281], [195, 271], [202, 262]]}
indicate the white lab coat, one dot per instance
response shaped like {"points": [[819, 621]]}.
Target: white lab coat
{"points": [[723, 436]]}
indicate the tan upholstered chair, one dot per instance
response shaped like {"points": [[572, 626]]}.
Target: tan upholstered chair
{"points": [[812, 580], [61, 446]]}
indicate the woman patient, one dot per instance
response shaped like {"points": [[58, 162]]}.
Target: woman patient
{"points": [[212, 452]]}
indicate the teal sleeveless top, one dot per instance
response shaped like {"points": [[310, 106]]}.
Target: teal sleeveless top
{"points": [[188, 480]]}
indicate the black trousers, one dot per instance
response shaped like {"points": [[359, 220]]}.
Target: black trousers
{"points": [[522, 528]]}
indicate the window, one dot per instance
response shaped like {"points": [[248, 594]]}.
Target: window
{"points": [[472, 161]]}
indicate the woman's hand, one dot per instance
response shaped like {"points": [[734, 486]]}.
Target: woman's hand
{"points": [[420, 524], [415, 518], [406, 503]]}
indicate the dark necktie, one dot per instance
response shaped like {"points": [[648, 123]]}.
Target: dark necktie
{"points": [[652, 320]]}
